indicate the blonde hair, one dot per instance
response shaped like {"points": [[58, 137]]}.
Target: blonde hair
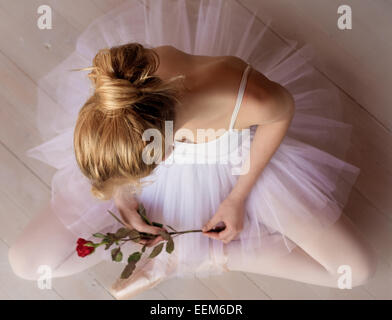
{"points": [[128, 99]]}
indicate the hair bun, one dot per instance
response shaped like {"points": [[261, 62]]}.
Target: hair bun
{"points": [[128, 100], [123, 76]]}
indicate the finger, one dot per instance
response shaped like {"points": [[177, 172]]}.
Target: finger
{"points": [[149, 242], [228, 238], [143, 242], [212, 235], [211, 223], [226, 233], [141, 226], [155, 241], [152, 229]]}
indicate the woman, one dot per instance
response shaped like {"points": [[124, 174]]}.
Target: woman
{"points": [[280, 215]]}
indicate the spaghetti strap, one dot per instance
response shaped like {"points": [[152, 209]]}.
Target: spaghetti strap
{"points": [[239, 96]]}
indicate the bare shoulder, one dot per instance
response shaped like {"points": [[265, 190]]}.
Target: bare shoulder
{"points": [[264, 100], [168, 55], [215, 80]]}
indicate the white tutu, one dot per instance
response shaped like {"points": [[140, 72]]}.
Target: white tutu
{"points": [[306, 178]]}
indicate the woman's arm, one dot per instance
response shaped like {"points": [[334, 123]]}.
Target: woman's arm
{"points": [[273, 115], [127, 204], [271, 107]]}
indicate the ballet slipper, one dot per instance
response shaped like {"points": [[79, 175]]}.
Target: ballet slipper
{"points": [[135, 284], [147, 277], [152, 274], [222, 261], [216, 264]]}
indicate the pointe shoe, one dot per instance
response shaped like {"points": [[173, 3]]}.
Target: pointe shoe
{"points": [[223, 262], [214, 265], [135, 284], [147, 277]]}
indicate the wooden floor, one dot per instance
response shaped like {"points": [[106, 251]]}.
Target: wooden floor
{"points": [[27, 53]]}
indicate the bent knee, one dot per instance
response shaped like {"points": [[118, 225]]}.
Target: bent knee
{"points": [[360, 266], [365, 268], [22, 263]]}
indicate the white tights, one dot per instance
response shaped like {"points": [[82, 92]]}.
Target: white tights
{"points": [[316, 260]]}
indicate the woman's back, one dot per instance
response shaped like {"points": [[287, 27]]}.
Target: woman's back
{"points": [[211, 87]]}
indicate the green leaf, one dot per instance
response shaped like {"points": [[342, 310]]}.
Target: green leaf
{"points": [[142, 212], [134, 235], [170, 246], [110, 236], [128, 270], [135, 257], [99, 235], [122, 233], [144, 248], [137, 240], [165, 235], [157, 250], [108, 245], [116, 254], [157, 224]]}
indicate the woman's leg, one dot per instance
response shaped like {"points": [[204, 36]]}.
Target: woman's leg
{"points": [[45, 241], [317, 258]]}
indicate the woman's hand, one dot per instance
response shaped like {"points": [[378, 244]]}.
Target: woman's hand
{"points": [[127, 205], [231, 213]]}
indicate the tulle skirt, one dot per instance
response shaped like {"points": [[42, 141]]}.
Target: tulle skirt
{"points": [[307, 180]]}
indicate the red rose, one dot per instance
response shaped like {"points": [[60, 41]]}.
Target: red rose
{"points": [[82, 249]]}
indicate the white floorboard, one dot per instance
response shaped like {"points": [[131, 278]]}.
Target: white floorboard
{"points": [[27, 53]]}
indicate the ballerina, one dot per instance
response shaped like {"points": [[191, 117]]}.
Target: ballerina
{"points": [[266, 104], [282, 216]]}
